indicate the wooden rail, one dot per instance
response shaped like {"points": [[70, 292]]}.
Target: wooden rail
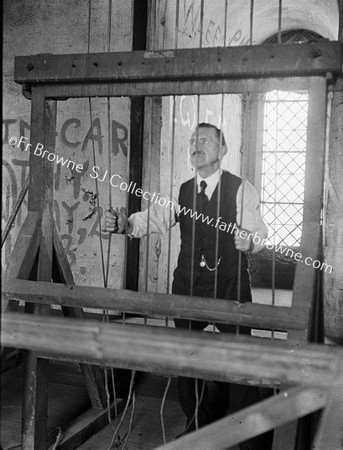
{"points": [[172, 352], [252, 421], [257, 61], [152, 304], [316, 369]]}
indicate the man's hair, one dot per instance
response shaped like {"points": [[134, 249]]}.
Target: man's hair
{"points": [[219, 134]]}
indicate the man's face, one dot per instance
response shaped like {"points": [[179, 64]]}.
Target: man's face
{"points": [[204, 150]]}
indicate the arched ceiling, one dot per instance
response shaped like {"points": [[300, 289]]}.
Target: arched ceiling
{"points": [[319, 16]]}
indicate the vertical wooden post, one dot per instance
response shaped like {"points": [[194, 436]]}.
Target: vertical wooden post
{"points": [[333, 219], [151, 182], [139, 30], [330, 432], [40, 199], [305, 276], [253, 137], [305, 283]]}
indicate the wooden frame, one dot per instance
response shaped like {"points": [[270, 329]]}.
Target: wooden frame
{"points": [[317, 369], [47, 78], [155, 304], [166, 350]]}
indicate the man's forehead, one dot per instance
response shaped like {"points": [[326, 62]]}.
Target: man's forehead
{"points": [[204, 131]]}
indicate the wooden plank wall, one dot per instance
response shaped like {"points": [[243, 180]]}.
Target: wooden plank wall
{"points": [[333, 217]]}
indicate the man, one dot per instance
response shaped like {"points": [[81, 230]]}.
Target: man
{"points": [[209, 264]]}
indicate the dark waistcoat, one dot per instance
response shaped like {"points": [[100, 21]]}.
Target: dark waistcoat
{"points": [[205, 232]]}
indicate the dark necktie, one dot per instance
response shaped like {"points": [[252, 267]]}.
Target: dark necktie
{"points": [[202, 197]]}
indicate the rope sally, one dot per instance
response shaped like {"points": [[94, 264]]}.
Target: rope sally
{"points": [[116, 440], [162, 408]]}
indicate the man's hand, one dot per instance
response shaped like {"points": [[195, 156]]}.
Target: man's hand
{"points": [[114, 222], [243, 241]]}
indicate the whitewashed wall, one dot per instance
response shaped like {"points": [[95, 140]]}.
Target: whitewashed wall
{"points": [[320, 16], [32, 27]]}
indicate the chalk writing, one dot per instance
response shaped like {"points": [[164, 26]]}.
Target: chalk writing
{"points": [[66, 214], [119, 136], [212, 32]]}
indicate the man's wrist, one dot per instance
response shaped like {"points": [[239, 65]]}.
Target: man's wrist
{"points": [[128, 228], [122, 224]]}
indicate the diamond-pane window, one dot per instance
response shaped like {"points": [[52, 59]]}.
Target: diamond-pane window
{"points": [[283, 166]]}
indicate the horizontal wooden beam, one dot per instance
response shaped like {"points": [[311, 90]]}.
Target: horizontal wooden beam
{"points": [[64, 91], [249, 380], [156, 304], [250, 422], [194, 64], [174, 352]]}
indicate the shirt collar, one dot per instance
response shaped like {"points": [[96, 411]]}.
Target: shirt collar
{"points": [[212, 179]]}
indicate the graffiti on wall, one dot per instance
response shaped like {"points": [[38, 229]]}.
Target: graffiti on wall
{"points": [[188, 112], [15, 171], [212, 33], [77, 214]]}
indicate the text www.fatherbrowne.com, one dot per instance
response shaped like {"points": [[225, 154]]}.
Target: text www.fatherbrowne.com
{"points": [[115, 180], [233, 228]]}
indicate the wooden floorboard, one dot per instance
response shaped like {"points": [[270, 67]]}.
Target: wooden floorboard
{"points": [[146, 430], [68, 399]]}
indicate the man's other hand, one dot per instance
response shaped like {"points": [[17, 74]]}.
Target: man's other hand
{"points": [[243, 241], [114, 222]]}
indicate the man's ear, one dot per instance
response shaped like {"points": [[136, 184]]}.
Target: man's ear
{"points": [[223, 151]]}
